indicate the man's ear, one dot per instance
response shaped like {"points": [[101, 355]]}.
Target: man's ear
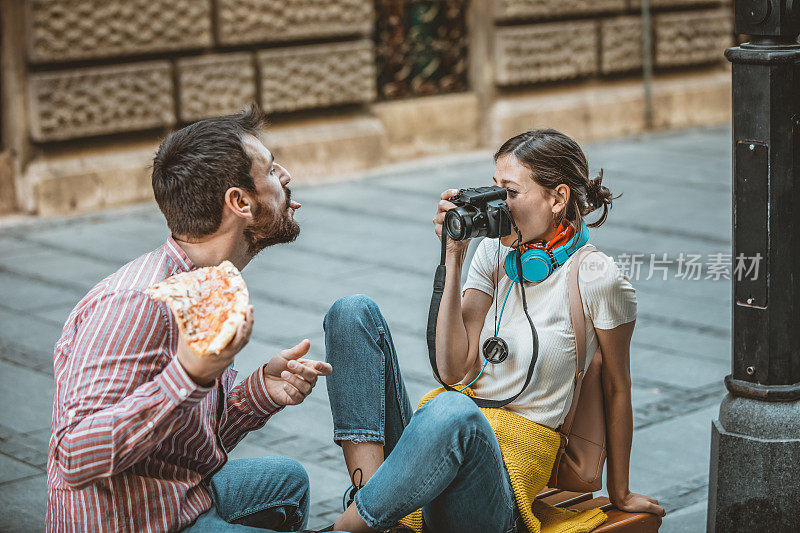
{"points": [[239, 203]]}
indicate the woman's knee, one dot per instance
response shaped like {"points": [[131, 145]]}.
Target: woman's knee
{"points": [[348, 309], [452, 409], [352, 326]]}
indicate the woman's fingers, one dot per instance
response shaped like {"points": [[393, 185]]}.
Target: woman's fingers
{"points": [[445, 206], [657, 510], [639, 503], [449, 193]]}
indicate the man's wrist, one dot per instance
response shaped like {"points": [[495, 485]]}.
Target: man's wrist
{"points": [[179, 386], [199, 380], [260, 400]]}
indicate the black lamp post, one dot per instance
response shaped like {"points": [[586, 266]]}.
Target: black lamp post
{"points": [[754, 482]]}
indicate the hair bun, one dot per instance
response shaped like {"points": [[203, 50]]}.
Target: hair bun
{"points": [[594, 191]]}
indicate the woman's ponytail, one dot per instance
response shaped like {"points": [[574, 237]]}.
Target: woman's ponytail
{"points": [[597, 196]]}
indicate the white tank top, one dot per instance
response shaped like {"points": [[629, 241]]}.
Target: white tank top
{"points": [[608, 301]]}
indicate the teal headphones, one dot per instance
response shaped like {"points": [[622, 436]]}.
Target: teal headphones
{"points": [[538, 264]]}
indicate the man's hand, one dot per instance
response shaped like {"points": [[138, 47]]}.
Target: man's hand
{"points": [[289, 378], [204, 370]]}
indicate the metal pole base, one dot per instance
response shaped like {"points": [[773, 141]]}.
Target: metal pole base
{"points": [[754, 482]]}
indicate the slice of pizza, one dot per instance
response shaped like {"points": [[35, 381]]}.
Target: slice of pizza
{"points": [[209, 304]]}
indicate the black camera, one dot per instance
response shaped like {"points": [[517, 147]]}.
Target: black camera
{"points": [[481, 212]]}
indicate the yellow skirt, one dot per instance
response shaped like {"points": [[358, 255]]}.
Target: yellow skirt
{"points": [[529, 451]]}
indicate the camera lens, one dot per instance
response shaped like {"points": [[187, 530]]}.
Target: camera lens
{"points": [[458, 222], [454, 225]]}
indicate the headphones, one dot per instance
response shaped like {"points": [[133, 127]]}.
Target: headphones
{"points": [[538, 264]]}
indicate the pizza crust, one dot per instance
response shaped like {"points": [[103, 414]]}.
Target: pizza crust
{"points": [[181, 291]]}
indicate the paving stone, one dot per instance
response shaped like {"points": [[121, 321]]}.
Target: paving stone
{"points": [[645, 395], [688, 342], [76, 273], [11, 469], [698, 311], [670, 452], [119, 242], [21, 293], [10, 246], [23, 503], [688, 520], [713, 292], [35, 412], [57, 314], [280, 321], [677, 370], [29, 339]]}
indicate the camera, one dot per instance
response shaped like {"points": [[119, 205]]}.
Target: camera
{"points": [[480, 212]]}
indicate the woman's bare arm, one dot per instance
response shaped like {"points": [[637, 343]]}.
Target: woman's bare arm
{"points": [[615, 345], [459, 324]]}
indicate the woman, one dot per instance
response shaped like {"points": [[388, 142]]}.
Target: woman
{"points": [[446, 458]]}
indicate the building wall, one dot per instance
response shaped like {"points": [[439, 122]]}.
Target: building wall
{"points": [[90, 86]]}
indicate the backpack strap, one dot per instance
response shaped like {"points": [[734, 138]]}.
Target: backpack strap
{"points": [[579, 330]]}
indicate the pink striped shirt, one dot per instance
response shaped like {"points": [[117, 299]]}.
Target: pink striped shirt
{"points": [[134, 440]]}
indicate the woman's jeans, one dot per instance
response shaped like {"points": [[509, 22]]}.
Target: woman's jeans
{"points": [[444, 459]]}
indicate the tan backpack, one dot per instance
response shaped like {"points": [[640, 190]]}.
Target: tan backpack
{"points": [[579, 462]]}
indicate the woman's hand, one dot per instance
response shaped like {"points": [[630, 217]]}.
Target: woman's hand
{"points": [[639, 503], [458, 248]]}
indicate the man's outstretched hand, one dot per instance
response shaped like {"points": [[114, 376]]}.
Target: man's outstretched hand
{"points": [[289, 378]]}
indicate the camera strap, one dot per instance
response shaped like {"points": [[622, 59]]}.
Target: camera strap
{"points": [[433, 315]]}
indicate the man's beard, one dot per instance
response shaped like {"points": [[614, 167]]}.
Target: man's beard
{"points": [[268, 228]]}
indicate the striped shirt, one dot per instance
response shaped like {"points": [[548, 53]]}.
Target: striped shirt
{"points": [[134, 440]]}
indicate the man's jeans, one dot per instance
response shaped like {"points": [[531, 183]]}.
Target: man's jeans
{"points": [[259, 494], [444, 459]]}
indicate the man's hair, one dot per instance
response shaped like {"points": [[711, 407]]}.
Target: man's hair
{"points": [[195, 165]]}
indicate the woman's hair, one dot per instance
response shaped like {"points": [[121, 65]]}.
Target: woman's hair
{"points": [[554, 158]]}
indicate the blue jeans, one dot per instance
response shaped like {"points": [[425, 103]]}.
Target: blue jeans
{"points": [[444, 458], [258, 494]]}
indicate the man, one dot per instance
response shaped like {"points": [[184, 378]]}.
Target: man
{"points": [[141, 425]]}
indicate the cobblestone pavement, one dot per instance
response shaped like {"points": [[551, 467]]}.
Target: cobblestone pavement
{"points": [[374, 235]]}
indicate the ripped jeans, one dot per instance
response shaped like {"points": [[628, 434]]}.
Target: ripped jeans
{"points": [[444, 458]]}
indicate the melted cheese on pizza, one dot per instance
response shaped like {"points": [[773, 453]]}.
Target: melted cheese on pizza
{"points": [[201, 300]]}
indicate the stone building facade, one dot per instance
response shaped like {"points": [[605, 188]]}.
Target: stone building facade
{"points": [[89, 87]]}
